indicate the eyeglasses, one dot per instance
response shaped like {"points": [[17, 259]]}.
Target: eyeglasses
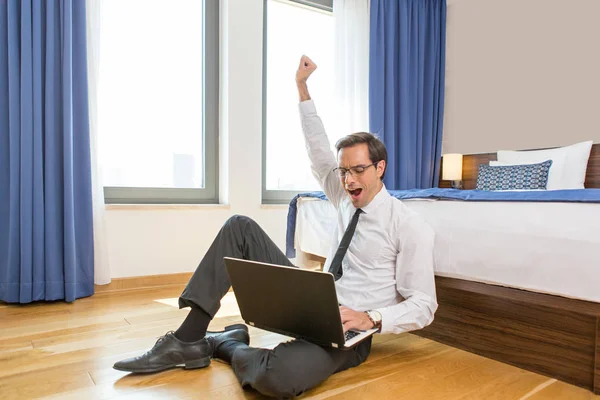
{"points": [[357, 170]]}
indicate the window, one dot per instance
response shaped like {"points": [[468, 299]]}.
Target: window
{"points": [[291, 30], [158, 101]]}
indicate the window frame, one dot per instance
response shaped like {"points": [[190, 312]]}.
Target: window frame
{"points": [[274, 196], [209, 194]]}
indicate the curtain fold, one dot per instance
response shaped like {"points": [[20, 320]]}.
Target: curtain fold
{"points": [[406, 88], [46, 232], [351, 66], [101, 255]]}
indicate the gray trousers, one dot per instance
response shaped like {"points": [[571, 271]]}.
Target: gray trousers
{"points": [[290, 368]]}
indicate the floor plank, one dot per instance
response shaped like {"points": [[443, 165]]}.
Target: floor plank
{"points": [[66, 351], [561, 390]]}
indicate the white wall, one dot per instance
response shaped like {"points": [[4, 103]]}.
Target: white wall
{"points": [[160, 240], [521, 74]]}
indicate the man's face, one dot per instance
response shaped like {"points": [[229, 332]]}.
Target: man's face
{"points": [[361, 187]]}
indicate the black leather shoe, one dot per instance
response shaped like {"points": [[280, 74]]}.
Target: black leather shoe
{"points": [[227, 328], [169, 352], [232, 335]]}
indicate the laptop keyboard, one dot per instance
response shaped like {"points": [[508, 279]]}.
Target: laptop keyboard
{"points": [[350, 334]]}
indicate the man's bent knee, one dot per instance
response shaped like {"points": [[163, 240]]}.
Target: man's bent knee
{"points": [[239, 220]]}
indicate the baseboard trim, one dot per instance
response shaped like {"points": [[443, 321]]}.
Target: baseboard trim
{"points": [[140, 282]]}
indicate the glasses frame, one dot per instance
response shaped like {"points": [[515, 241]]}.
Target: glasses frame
{"points": [[347, 171]]}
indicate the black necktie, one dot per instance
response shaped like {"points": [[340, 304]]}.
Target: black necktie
{"points": [[336, 265]]}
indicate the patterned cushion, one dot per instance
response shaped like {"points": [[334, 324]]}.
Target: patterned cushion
{"points": [[513, 177]]}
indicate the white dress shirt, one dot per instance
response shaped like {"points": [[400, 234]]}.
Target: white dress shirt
{"points": [[389, 264]]}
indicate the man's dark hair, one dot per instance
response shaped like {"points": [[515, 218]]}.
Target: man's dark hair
{"points": [[377, 150]]}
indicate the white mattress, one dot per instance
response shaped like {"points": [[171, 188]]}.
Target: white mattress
{"points": [[549, 248]]}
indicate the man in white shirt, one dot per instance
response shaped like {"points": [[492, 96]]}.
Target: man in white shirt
{"points": [[382, 260], [389, 264]]}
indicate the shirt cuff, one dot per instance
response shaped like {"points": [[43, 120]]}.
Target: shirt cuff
{"points": [[307, 107], [387, 320]]}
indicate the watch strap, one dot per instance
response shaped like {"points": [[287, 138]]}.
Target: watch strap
{"points": [[376, 323]]}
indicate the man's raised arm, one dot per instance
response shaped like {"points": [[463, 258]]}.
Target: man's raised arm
{"points": [[305, 69], [322, 158]]}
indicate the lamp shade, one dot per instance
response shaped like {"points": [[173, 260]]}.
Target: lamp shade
{"points": [[452, 167]]}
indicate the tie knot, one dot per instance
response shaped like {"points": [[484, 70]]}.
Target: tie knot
{"points": [[358, 211]]}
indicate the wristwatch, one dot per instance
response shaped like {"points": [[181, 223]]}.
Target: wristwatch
{"points": [[375, 317]]}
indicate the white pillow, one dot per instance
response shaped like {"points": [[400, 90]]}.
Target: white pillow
{"points": [[569, 163]]}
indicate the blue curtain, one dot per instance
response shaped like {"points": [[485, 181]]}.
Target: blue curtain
{"points": [[46, 234], [406, 88]]}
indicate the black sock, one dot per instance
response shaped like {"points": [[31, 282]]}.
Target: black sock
{"points": [[194, 326], [225, 350]]}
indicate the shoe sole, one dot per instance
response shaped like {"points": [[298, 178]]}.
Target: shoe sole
{"points": [[193, 364]]}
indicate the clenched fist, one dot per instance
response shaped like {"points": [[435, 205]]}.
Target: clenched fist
{"points": [[305, 69]]}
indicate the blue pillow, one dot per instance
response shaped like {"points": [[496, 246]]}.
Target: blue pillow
{"points": [[513, 177]]}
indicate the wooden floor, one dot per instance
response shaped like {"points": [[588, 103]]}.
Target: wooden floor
{"points": [[66, 351]]}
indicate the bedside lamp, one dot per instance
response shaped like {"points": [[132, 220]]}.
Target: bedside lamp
{"points": [[452, 169]]}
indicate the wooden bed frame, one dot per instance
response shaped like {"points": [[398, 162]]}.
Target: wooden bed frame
{"points": [[550, 335]]}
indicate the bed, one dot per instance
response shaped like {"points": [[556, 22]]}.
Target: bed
{"points": [[517, 274]]}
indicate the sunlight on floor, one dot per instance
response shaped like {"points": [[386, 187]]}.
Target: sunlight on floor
{"points": [[229, 307]]}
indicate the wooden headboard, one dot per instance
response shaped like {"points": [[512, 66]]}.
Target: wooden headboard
{"points": [[471, 164]]}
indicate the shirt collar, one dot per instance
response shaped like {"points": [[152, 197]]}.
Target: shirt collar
{"points": [[378, 200]]}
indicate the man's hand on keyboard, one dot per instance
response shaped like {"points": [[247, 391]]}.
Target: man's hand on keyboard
{"points": [[355, 319]]}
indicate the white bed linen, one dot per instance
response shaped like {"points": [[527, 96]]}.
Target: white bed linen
{"points": [[543, 247]]}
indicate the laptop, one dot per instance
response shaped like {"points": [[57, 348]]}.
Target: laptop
{"points": [[291, 301]]}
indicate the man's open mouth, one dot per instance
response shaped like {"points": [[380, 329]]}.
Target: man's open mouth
{"points": [[355, 193]]}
